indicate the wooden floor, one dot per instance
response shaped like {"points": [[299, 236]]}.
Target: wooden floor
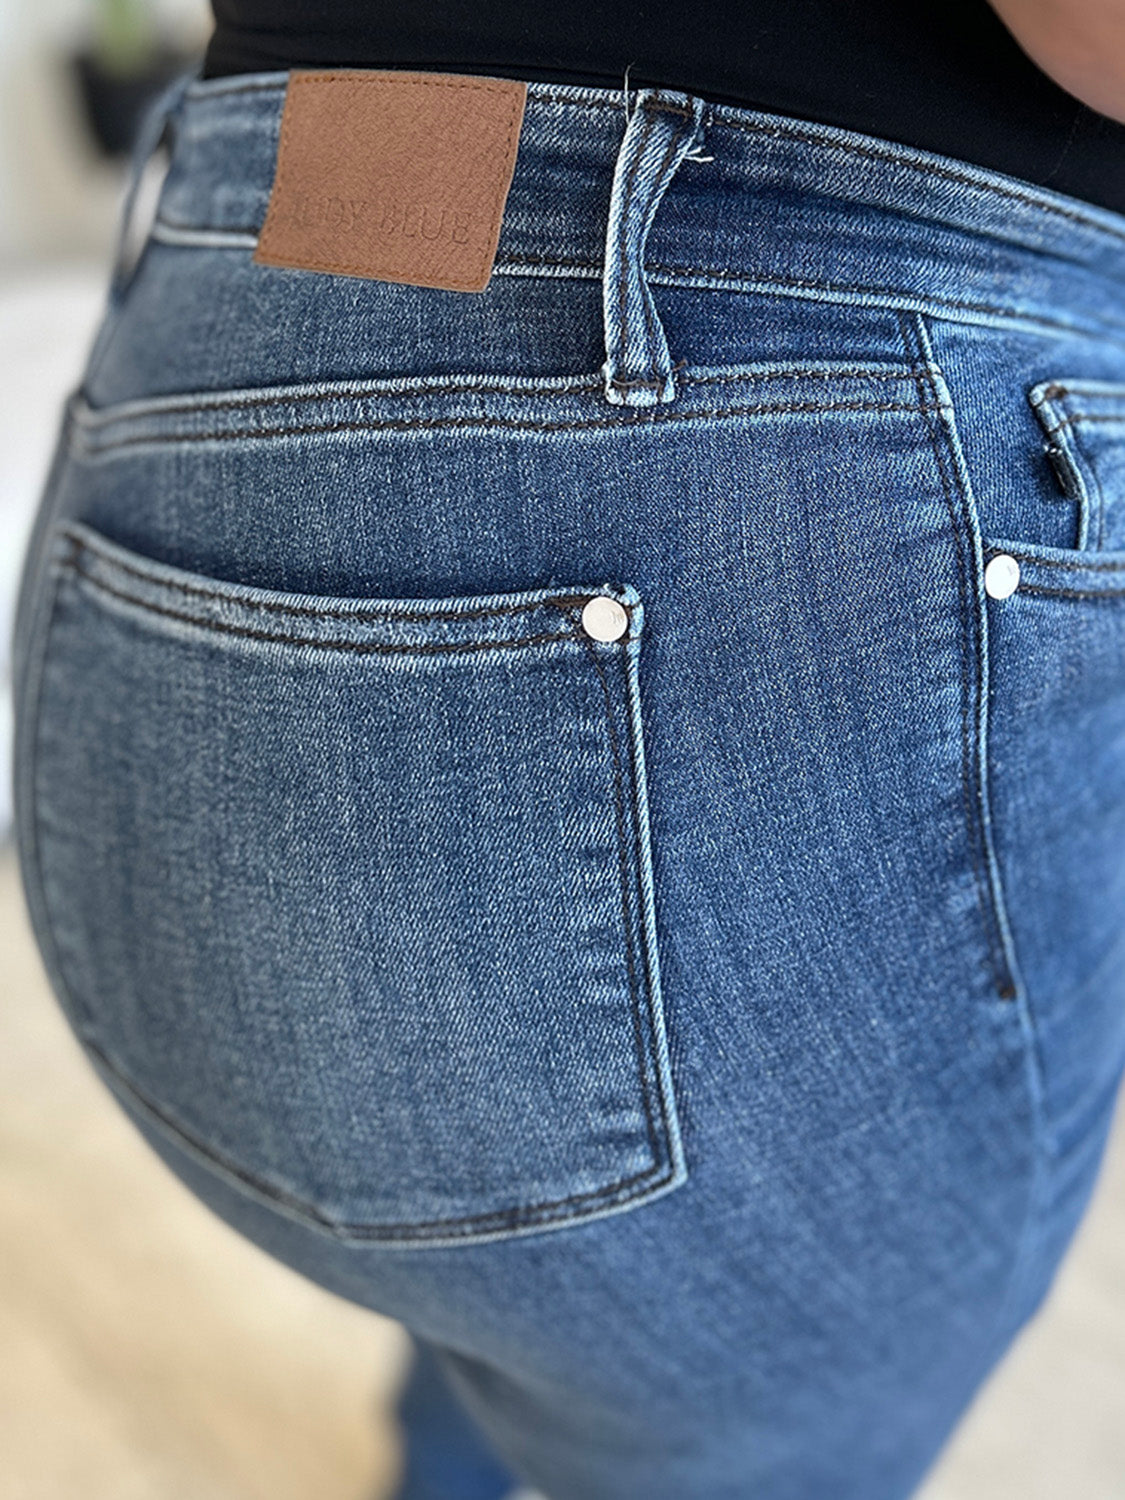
{"points": [[149, 1353]]}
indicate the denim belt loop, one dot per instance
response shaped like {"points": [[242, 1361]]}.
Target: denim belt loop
{"points": [[660, 131], [152, 133]]}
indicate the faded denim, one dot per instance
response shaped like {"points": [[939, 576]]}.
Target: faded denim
{"points": [[702, 1039]]}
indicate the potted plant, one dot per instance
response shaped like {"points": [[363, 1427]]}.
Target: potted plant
{"points": [[126, 62]]}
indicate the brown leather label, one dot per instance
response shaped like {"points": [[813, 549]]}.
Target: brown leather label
{"points": [[393, 175]]}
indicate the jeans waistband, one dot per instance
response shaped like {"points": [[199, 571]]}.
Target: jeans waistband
{"points": [[749, 201]]}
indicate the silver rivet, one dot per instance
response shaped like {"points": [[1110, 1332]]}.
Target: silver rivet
{"points": [[604, 618], [1002, 576]]}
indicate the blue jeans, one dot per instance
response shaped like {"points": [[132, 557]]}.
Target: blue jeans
{"points": [[637, 898]]}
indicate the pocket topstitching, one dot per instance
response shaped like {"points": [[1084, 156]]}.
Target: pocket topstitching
{"points": [[353, 896]]}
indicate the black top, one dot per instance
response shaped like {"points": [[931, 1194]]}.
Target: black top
{"points": [[943, 75]]}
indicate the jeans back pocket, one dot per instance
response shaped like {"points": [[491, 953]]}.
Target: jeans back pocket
{"points": [[353, 896]]}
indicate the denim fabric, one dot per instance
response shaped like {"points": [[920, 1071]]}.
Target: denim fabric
{"points": [[701, 1033]]}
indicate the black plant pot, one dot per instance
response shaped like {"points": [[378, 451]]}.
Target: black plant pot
{"points": [[114, 102]]}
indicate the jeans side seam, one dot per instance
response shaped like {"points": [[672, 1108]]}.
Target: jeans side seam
{"points": [[917, 335], [974, 687]]}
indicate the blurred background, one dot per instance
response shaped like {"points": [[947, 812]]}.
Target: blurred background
{"points": [[146, 1351]]}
